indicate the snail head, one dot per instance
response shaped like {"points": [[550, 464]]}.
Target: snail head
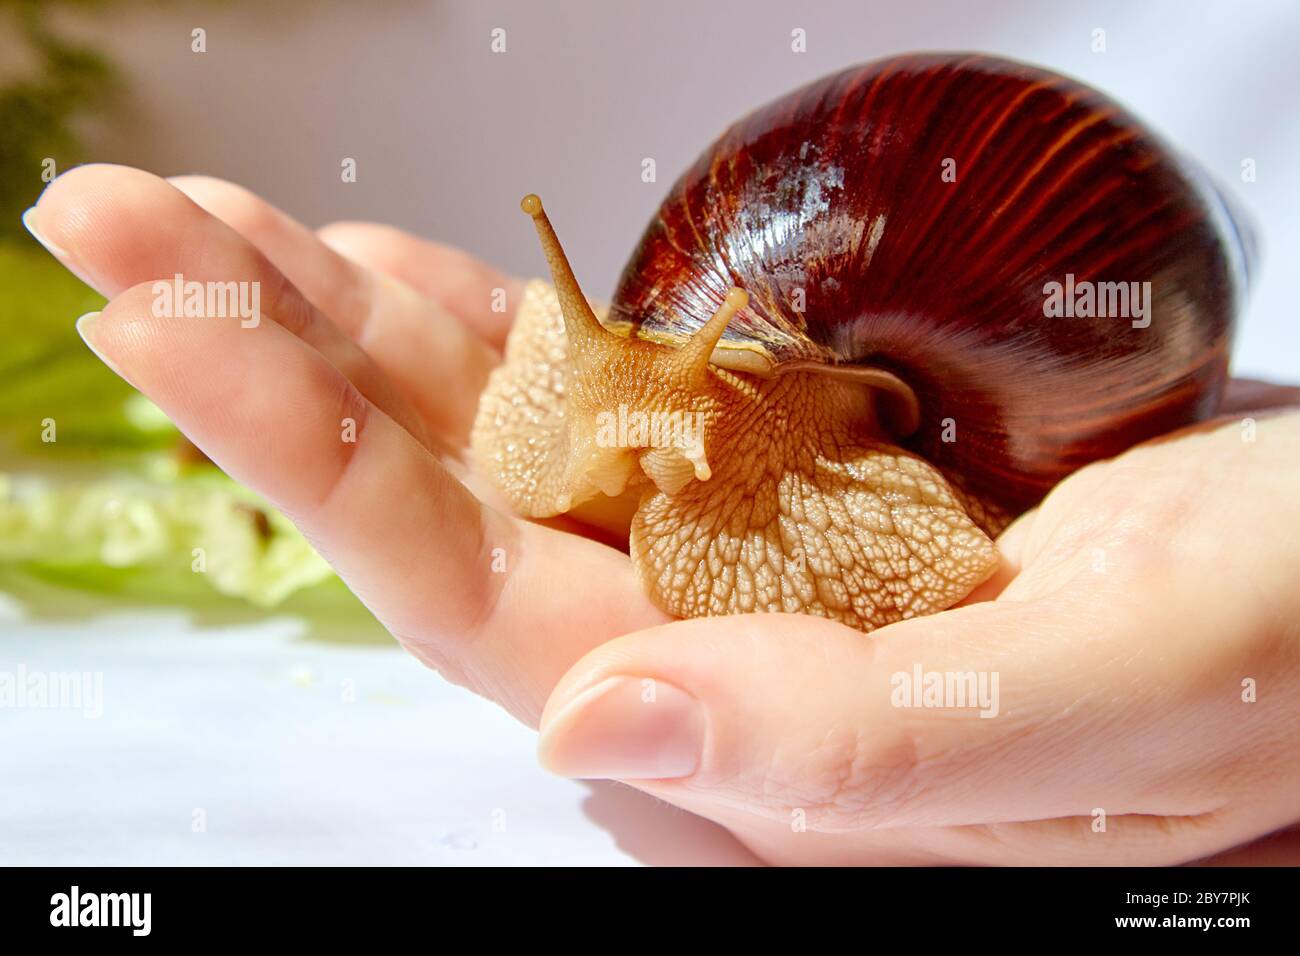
{"points": [[634, 409]]}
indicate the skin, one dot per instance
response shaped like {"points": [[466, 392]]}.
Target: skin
{"points": [[1123, 617], [782, 496]]}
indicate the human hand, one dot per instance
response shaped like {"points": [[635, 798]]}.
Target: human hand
{"points": [[1119, 688], [1144, 634], [403, 350]]}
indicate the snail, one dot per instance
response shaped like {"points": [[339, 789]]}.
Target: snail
{"points": [[875, 321]]}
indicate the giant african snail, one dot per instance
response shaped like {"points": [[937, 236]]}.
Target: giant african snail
{"points": [[899, 376]]}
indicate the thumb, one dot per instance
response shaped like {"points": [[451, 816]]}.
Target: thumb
{"points": [[777, 714]]}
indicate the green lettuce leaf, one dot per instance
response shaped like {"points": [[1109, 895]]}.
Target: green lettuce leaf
{"points": [[97, 487]]}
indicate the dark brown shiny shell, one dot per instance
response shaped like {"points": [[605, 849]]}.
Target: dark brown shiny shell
{"points": [[835, 195]]}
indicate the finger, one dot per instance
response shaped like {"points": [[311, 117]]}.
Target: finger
{"points": [[776, 728], [279, 417], [997, 712], [118, 227], [479, 596], [1118, 681], [1128, 840], [1243, 395], [483, 298], [416, 341]]}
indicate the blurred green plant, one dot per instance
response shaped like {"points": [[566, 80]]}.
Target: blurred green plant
{"points": [[46, 371], [38, 111], [98, 490]]}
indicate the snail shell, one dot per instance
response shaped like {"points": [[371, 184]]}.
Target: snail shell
{"points": [[831, 209], [894, 308]]}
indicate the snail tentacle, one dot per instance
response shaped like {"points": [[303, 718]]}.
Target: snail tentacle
{"points": [[580, 323], [692, 361]]}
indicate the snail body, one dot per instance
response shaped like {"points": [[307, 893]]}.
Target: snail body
{"points": [[876, 320]]}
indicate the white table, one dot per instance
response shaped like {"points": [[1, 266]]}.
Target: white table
{"points": [[288, 750]]}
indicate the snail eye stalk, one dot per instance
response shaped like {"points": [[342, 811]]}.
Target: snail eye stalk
{"points": [[580, 323], [692, 361]]}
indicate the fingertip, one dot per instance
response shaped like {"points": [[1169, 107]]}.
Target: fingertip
{"points": [[85, 327], [123, 331], [239, 208], [75, 187], [78, 219], [33, 228], [624, 727], [482, 297], [364, 243], [194, 179]]}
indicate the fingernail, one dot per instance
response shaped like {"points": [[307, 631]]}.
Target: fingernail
{"points": [[29, 221], [86, 329], [626, 728], [53, 248]]}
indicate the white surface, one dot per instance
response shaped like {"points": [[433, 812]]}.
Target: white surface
{"points": [[250, 725]]}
